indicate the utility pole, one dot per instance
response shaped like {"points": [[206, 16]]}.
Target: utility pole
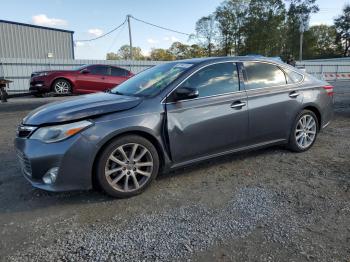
{"points": [[130, 38], [304, 26], [301, 46]]}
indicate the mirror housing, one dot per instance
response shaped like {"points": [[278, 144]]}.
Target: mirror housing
{"points": [[85, 71], [184, 92]]}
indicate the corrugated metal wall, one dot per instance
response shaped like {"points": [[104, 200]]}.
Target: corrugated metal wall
{"points": [[19, 70], [25, 41]]}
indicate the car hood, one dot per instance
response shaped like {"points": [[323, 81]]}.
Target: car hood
{"points": [[79, 108]]}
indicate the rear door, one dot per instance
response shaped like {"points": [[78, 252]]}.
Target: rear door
{"points": [[272, 102], [118, 76], [215, 122], [96, 80]]}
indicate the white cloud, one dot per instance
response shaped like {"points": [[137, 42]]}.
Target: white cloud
{"points": [[95, 31], [79, 44], [47, 21], [171, 39], [152, 41]]}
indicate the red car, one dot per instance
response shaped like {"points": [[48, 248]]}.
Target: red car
{"points": [[84, 80]]}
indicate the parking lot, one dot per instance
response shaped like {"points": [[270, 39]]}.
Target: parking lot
{"points": [[266, 205]]}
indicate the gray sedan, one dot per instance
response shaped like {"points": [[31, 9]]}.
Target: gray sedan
{"points": [[170, 116]]}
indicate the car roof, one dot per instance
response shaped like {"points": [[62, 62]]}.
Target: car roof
{"points": [[230, 58]]}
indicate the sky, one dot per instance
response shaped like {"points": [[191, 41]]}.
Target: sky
{"points": [[91, 18]]}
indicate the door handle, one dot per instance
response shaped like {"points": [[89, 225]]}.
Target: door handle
{"points": [[294, 94], [238, 104]]}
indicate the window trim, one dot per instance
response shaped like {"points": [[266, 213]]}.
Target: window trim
{"points": [[281, 67], [197, 98]]}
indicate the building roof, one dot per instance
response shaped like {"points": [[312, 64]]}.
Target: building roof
{"points": [[36, 26]]}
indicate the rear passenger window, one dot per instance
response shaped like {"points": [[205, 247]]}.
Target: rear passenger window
{"points": [[115, 71], [260, 75], [99, 70], [215, 79], [292, 76]]}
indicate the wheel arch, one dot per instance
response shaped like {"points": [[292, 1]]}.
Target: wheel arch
{"points": [[317, 112]]}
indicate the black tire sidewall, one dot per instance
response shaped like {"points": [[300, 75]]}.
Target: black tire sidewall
{"points": [[293, 145], [102, 159]]}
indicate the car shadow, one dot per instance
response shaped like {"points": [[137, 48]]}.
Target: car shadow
{"points": [[17, 195]]}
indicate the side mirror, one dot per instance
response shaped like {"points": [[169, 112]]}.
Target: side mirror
{"points": [[85, 71], [182, 93]]}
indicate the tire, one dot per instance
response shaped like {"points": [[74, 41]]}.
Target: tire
{"points": [[115, 169], [302, 137], [62, 87]]}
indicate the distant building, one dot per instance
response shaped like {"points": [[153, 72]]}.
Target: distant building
{"points": [[18, 40]]}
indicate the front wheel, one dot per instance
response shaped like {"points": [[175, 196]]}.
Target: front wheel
{"points": [[127, 166], [304, 132], [62, 87]]}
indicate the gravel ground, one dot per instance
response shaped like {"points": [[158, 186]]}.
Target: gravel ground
{"points": [[267, 205]]}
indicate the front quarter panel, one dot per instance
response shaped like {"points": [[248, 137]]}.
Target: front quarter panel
{"points": [[110, 126]]}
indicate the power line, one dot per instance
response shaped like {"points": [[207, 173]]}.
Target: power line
{"points": [[161, 27], [92, 39], [116, 38]]}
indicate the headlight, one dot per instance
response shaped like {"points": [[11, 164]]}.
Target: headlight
{"points": [[51, 134], [43, 74]]}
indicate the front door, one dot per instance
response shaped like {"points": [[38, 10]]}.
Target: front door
{"points": [[213, 123], [95, 80]]}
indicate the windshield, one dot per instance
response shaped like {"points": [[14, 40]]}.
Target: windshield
{"points": [[151, 81]]}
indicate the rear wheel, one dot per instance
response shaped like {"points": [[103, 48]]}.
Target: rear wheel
{"points": [[127, 166], [304, 132], [62, 87]]}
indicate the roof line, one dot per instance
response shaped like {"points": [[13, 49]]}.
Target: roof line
{"points": [[36, 26]]}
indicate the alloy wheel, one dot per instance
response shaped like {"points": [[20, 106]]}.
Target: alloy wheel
{"points": [[305, 132], [129, 167], [62, 87]]}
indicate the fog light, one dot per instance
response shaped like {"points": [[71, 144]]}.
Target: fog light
{"points": [[50, 176], [39, 85]]}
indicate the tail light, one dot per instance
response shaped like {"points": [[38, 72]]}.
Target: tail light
{"points": [[329, 90]]}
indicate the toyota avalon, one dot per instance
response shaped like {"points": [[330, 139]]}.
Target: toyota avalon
{"points": [[170, 116]]}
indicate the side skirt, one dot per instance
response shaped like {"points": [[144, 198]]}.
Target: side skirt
{"points": [[247, 148]]}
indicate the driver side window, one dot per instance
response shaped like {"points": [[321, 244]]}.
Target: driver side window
{"points": [[215, 79]]}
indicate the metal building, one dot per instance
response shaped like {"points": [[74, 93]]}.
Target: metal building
{"points": [[18, 40]]}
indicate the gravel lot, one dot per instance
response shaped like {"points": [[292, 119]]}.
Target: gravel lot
{"points": [[267, 205]]}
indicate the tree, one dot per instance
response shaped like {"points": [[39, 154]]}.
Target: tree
{"points": [[179, 50], [124, 53], [205, 32], [342, 25], [321, 42], [160, 54], [231, 17], [264, 27], [112, 56], [298, 13]]}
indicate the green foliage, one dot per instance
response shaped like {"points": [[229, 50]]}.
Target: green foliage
{"points": [[206, 32], [342, 25], [264, 27], [124, 54], [160, 54]]}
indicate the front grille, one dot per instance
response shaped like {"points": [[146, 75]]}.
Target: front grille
{"points": [[24, 162], [25, 131]]}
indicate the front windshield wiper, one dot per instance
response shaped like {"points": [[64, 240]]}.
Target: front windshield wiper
{"points": [[116, 93]]}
